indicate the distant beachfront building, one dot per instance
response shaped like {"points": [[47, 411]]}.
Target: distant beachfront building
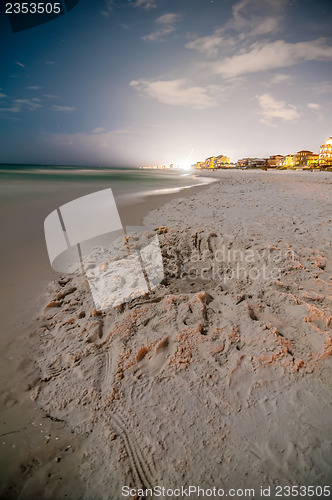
{"points": [[252, 163], [209, 162], [312, 160], [325, 155], [221, 161], [213, 162], [289, 161], [275, 161], [257, 162], [301, 157], [242, 163]]}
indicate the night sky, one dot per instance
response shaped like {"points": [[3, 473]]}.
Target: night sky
{"points": [[127, 83]]}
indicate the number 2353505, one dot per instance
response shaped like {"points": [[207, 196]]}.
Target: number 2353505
{"points": [[33, 8]]}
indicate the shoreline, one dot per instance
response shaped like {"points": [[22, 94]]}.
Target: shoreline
{"points": [[34, 261], [144, 202], [228, 357], [22, 297]]}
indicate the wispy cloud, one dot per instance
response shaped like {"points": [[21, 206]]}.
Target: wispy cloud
{"points": [[98, 130], [278, 54], [272, 109], [266, 26], [324, 87], [51, 96], [29, 104], [313, 105], [178, 92], [9, 111], [146, 4], [34, 87], [62, 108], [158, 36], [2, 96], [211, 44], [15, 106], [254, 17], [167, 24], [169, 18], [250, 19], [280, 78]]}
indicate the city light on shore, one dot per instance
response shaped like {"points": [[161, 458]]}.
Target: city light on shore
{"points": [[303, 159]]}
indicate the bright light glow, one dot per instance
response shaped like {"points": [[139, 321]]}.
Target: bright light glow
{"points": [[186, 166]]}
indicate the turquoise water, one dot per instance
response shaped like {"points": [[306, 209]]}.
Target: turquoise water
{"points": [[28, 194], [120, 180], [35, 191]]}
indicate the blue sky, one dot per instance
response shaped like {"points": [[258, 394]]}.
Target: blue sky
{"points": [[128, 83]]}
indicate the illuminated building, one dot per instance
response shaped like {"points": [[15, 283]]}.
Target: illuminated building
{"points": [[275, 161], [221, 161], [301, 157], [243, 162], [325, 155], [252, 163], [257, 162], [209, 162], [289, 161], [312, 160]]}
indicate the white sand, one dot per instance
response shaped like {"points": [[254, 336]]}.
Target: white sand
{"points": [[219, 377]]}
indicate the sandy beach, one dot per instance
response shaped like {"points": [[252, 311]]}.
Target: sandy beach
{"points": [[219, 377]]}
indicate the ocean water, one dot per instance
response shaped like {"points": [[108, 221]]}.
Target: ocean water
{"points": [[28, 194], [26, 180]]}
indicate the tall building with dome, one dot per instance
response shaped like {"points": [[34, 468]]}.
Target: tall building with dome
{"points": [[325, 155]]}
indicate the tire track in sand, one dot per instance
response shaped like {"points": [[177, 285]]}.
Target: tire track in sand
{"points": [[142, 469]]}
